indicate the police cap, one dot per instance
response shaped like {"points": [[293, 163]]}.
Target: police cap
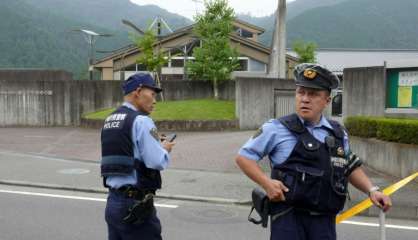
{"points": [[140, 80], [315, 76]]}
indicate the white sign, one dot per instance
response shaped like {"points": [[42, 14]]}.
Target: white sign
{"points": [[408, 78]]}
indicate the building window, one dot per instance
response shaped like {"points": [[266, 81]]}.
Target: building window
{"points": [[174, 52], [142, 67], [256, 66], [246, 34], [130, 68], [243, 65], [243, 33], [175, 62]]}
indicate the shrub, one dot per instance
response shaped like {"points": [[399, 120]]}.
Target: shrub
{"points": [[362, 126], [387, 129], [398, 130]]}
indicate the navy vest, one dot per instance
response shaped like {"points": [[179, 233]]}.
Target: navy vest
{"points": [[117, 150], [314, 172]]}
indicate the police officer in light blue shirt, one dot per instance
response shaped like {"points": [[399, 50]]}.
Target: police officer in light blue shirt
{"points": [[132, 158], [277, 142], [311, 163]]}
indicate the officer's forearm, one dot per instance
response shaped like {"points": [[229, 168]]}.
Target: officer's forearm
{"points": [[360, 180], [252, 170]]}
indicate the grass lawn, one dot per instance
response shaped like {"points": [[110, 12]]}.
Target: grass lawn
{"points": [[200, 109]]}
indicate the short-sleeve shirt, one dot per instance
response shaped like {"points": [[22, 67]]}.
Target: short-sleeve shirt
{"points": [[274, 140], [147, 148]]}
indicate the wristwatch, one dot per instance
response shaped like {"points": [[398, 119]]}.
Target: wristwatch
{"points": [[373, 189]]}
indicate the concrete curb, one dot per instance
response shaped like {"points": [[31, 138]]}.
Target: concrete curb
{"points": [[104, 191]]}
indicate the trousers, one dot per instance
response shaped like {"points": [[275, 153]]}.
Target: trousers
{"points": [[301, 225], [116, 209]]}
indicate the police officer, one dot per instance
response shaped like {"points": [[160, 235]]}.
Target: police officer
{"points": [[311, 163], [132, 158]]}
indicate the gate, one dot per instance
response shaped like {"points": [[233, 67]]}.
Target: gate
{"points": [[284, 102]]}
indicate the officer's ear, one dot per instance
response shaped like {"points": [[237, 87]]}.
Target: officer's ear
{"points": [[138, 90], [328, 97]]}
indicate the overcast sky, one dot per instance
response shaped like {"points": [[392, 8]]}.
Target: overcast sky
{"points": [[188, 8]]}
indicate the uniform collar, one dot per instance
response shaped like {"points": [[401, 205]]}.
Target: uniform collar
{"points": [[323, 122], [129, 105]]}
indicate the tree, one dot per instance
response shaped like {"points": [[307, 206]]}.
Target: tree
{"points": [[215, 59], [152, 57], [305, 51]]}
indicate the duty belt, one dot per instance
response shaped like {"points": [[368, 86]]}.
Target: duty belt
{"points": [[132, 192]]}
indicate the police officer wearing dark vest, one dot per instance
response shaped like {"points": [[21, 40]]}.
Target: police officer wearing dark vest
{"points": [[311, 163], [132, 158]]}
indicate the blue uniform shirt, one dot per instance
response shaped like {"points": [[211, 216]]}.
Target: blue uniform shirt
{"points": [[146, 149], [277, 142]]}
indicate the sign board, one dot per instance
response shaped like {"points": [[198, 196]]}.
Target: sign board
{"points": [[402, 88]]}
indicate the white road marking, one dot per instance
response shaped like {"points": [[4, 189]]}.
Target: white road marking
{"points": [[74, 197], [377, 225], [176, 206]]}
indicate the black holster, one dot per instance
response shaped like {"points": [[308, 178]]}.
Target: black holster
{"points": [[261, 204], [140, 210]]}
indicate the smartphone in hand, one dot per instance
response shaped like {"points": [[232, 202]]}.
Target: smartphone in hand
{"points": [[171, 137]]}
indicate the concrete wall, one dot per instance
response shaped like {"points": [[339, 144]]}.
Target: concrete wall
{"points": [[255, 99], [182, 90], [52, 98], [365, 94], [364, 91], [28, 102], [392, 158]]}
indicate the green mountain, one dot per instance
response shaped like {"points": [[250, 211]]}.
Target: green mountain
{"points": [[32, 39], [294, 9], [359, 24], [297, 7], [372, 24], [109, 13], [38, 34]]}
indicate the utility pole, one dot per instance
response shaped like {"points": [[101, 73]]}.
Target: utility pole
{"points": [[277, 61]]}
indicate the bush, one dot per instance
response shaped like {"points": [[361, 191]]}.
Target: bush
{"points": [[362, 126], [398, 130], [387, 129]]}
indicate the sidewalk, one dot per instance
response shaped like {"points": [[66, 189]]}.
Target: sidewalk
{"points": [[195, 185]]}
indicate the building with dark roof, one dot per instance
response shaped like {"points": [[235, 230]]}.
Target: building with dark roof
{"points": [[253, 56]]}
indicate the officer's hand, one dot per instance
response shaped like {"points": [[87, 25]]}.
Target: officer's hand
{"points": [[163, 137], [275, 190], [381, 200], [168, 145]]}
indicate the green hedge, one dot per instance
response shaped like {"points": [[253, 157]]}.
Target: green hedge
{"points": [[387, 129]]}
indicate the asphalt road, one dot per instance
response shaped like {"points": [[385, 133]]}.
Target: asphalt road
{"points": [[30, 213]]}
